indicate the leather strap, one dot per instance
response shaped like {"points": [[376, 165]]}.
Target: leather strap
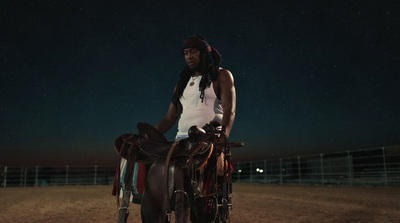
{"points": [[128, 181], [166, 171]]}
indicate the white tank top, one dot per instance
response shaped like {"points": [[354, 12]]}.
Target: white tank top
{"points": [[196, 112]]}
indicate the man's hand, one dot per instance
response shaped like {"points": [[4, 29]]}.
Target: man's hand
{"points": [[221, 141]]}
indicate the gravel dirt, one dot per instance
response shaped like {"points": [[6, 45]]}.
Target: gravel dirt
{"points": [[251, 203]]}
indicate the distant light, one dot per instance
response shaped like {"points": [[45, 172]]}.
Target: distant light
{"points": [[261, 170], [240, 171], [258, 169]]}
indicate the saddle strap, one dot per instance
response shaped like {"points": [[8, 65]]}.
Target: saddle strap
{"points": [[191, 160], [182, 206], [166, 171], [130, 169]]}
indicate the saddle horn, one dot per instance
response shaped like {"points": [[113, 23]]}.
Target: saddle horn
{"points": [[197, 134]]}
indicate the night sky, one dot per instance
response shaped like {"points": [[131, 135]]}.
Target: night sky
{"points": [[311, 76]]}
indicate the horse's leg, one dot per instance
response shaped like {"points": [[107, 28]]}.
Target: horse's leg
{"points": [[182, 209], [152, 210]]}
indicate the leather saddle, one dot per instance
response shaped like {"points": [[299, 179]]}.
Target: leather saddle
{"points": [[150, 144]]}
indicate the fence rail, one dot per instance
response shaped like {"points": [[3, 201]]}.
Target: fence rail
{"points": [[373, 167], [28, 176]]}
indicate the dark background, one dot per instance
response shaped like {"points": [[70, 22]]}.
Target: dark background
{"points": [[311, 76]]}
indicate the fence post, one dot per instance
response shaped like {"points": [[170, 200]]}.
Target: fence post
{"points": [[280, 169], [265, 171], [349, 168], [238, 172], [5, 177], [299, 167], [270, 172], [37, 176], [95, 175], [25, 176], [21, 177], [66, 175], [384, 166], [322, 169], [251, 171]]}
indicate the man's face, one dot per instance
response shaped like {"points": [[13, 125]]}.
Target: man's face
{"points": [[192, 57]]}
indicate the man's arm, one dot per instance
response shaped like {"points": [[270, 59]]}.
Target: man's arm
{"points": [[228, 99], [169, 120]]}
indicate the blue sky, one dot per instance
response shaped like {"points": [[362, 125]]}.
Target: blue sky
{"points": [[311, 77]]}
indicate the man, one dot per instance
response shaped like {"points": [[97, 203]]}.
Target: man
{"points": [[205, 92]]}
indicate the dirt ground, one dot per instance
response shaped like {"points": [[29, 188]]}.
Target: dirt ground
{"points": [[252, 203]]}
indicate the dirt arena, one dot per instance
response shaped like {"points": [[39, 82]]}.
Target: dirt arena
{"points": [[252, 203]]}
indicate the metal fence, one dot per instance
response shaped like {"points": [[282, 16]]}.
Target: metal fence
{"points": [[28, 176], [366, 167]]}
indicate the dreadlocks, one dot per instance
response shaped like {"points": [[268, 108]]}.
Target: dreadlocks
{"points": [[210, 60]]}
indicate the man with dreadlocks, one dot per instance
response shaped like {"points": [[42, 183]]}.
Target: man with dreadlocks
{"points": [[205, 92]]}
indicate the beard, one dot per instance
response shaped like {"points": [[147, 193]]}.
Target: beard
{"points": [[199, 69], [196, 69]]}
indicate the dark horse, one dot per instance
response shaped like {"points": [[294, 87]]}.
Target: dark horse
{"points": [[174, 182]]}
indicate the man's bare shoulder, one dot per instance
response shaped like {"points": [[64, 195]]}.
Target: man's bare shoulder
{"points": [[225, 75]]}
